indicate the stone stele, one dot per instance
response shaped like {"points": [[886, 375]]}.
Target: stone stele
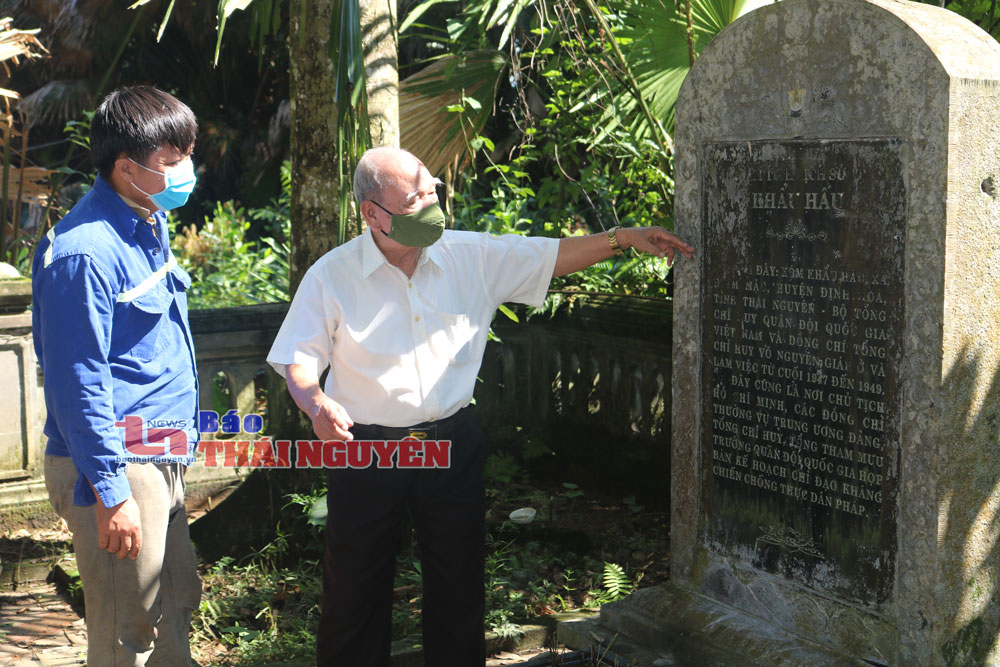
{"points": [[836, 368]]}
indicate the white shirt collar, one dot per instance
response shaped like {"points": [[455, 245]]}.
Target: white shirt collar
{"points": [[372, 257]]}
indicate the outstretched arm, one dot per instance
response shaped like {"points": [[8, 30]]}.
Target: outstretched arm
{"points": [[579, 252]]}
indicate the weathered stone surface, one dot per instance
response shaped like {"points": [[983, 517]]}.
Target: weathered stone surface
{"points": [[902, 97], [21, 406], [15, 295], [802, 326]]}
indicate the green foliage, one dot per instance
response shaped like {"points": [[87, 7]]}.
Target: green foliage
{"points": [[228, 269], [592, 101], [560, 182], [78, 131], [474, 19], [266, 18], [984, 13], [500, 468], [500, 621], [616, 583], [406, 611], [262, 614], [265, 608], [313, 506], [659, 47], [503, 605], [312, 519]]}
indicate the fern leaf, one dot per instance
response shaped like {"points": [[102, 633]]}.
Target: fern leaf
{"points": [[616, 582]]}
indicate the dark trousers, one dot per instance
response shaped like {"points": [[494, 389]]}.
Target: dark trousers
{"points": [[366, 508]]}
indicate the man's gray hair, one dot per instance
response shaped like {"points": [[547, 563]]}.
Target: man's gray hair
{"points": [[375, 171]]}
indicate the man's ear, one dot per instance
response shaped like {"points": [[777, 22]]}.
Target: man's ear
{"points": [[369, 211], [124, 168]]}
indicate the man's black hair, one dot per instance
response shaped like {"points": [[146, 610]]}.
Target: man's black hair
{"points": [[137, 121]]}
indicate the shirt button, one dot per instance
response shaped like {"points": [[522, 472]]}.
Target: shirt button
{"points": [[410, 285], [156, 251], [416, 319]]}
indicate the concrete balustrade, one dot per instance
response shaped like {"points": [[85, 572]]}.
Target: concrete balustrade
{"points": [[596, 374]]}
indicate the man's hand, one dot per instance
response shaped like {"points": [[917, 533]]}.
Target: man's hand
{"points": [[329, 418], [654, 240], [118, 528], [579, 252], [331, 421]]}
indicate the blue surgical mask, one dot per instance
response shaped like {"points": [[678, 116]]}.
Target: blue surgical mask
{"points": [[179, 181]]}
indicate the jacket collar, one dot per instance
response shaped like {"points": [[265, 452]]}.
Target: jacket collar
{"points": [[124, 218]]}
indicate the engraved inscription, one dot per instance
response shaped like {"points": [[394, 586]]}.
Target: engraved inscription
{"points": [[802, 325]]}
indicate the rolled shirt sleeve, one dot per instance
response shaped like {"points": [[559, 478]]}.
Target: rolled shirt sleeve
{"points": [[78, 381], [518, 268], [306, 334]]}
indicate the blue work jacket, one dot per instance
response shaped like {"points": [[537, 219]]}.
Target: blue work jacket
{"points": [[111, 335]]}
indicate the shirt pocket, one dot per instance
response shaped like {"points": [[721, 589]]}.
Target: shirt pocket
{"points": [[182, 283], [181, 277], [138, 330], [460, 335]]}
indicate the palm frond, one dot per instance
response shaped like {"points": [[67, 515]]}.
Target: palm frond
{"points": [[16, 44], [58, 102], [658, 57], [467, 85], [29, 185], [475, 18], [226, 7], [350, 88]]}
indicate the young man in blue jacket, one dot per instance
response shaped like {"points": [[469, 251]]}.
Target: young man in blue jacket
{"points": [[112, 338]]}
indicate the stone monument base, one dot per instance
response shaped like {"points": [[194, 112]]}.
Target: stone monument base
{"points": [[665, 625]]}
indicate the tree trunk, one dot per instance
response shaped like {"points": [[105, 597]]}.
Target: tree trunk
{"points": [[314, 211], [315, 181], [378, 39]]}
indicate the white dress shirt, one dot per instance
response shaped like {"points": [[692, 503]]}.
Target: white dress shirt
{"points": [[402, 351]]}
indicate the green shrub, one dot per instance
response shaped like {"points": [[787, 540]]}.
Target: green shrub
{"points": [[562, 181], [229, 269]]}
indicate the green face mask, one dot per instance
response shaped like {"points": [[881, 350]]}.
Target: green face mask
{"points": [[417, 230]]}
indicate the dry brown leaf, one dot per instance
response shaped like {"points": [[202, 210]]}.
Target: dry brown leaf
{"points": [[424, 124], [16, 43], [35, 189]]}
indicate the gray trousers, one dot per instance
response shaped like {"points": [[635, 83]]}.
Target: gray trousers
{"points": [[138, 611]]}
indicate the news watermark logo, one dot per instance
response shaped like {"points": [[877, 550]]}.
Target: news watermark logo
{"points": [[209, 421], [162, 441], [159, 441], [264, 453]]}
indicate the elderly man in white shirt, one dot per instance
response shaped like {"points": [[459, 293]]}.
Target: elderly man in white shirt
{"points": [[400, 316]]}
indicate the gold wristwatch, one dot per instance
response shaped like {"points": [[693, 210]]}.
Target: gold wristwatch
{"points": [[613, 241]]}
